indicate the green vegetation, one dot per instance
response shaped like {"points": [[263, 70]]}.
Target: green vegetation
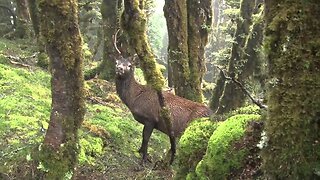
{"points": [[192, 146], [24, 110], [221, 157], [211, 149]]}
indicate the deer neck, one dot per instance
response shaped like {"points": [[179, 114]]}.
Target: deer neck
{"points": [[128, 89]]}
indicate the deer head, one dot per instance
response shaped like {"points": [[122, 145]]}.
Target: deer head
{"points": [[124, 67]]}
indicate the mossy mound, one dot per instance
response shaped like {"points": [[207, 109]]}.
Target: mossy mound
{"points": [[221, 158], [192, 146]]}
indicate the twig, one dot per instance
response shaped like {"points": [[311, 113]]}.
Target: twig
{"points": [[262, 106]]}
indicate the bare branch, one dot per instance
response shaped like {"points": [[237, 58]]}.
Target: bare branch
{"points": [[246, 92], [16, 60]]}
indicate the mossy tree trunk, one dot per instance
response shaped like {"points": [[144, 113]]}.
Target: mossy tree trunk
{"points": [[134, 23], [292, 39], [217, 92], [254, 62], [34, 16], [109, 11], [175, 12], [232, 96], [60, 28], [199, 24], [23, 18], [188, 23]]}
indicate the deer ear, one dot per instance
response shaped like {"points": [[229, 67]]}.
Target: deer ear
{"points": [[117, 61], [134, 59]]}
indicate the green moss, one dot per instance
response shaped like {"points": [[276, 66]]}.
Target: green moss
{"points": [[90, 149], [56, 164], [252, 109], [192, 147], [220, 159], [67, 43], [293, 103], [136, 29], [22, 113]]}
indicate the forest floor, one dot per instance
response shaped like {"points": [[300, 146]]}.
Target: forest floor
{"points": [[109, 137]]}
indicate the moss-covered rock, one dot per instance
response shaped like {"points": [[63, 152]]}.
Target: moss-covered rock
{"points": [[220, 157], [252, 109], [192, 146]]}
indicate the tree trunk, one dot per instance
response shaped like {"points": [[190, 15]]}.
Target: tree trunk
{"points": [[188, 23], [170, 74], [217, 92], [175, 12], [60, 28], [8, 18], [232, 96], [23, 18], [134, 23], [216, 12], [109, 11], [34, 15], [199, 24], [292, 39]]}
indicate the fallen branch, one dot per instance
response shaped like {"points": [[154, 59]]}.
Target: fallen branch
{"points": [[97, 100], [246, 92], [19, 64], [16, 60]]}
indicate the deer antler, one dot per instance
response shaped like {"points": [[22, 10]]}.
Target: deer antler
{"points": [[115, 41]]}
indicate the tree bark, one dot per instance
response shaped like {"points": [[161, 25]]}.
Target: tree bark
{"points": [[175, 12], [292, 41], [34, 15], [134, 23], [232, 96], [216, 12], [60, 28], [23, 18], [188, 23], [109, 11], [199, 24]]}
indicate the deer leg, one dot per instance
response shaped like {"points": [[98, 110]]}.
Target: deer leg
{"points": [[147, 131], [173, 147]]}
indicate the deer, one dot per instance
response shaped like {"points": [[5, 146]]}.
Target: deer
{"points": [[143, 102]]}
